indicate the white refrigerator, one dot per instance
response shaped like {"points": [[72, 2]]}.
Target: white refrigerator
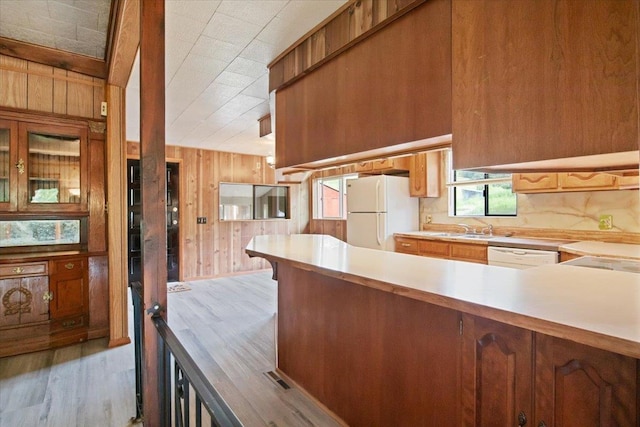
{"points": [[377, 207]]}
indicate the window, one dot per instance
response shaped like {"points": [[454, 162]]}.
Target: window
{"points": [[480, 194], [330, 197], [249, 201]]}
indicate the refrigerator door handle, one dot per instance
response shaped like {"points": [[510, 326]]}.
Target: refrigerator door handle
{"points": [[378, 229], [377, 195]]}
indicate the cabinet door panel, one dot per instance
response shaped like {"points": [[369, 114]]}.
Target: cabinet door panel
{"points": [[469, 252], [38, 308], [532, 182], [8, 167], [68, 297], [587, 181], [496, 373], [11, 300], [578, 385]]}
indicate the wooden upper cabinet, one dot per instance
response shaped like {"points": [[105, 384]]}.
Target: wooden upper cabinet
{"points": [[534, 182], [52, 168], [424, 174], [570, 181], [543, 79], [8, 159], [392, 87], [585, 181]]}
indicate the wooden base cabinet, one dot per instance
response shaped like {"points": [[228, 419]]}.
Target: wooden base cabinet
{"points": [[469, 252], [512, 376], [46, 303]]}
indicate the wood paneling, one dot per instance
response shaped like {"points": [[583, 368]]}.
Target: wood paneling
{"points": [[97, 194], [381, 92], [54, 57], [349, 25], [539, 80], [126, 38], [36, 87], [98, 297], [340, 341], [217, 247], [117, 218]]}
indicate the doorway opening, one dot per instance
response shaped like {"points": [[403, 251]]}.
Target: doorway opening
{"points": [[134, 206]]}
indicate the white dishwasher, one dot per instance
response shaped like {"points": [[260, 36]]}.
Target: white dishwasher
{"points": [[520, 258]]}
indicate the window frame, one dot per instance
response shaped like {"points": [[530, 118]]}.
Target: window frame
{"points": [[317, 196], [487, 180]]}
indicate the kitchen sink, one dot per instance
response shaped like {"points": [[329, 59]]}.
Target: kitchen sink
{"points": [[456, 235]]}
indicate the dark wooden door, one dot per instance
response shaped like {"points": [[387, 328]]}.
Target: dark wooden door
{"points": [[496, 373], [578, 385], [134, 198], [173, 221]]}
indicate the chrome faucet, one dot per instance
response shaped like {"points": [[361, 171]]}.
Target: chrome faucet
{"points": [[467, 229], [489, 229]]}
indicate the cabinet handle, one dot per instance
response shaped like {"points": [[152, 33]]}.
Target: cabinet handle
{"points": [[18, 270], [68, 323], [522, 419], [20, 166], [542, 424], [406, 245], [47, 296], [69, 266]]}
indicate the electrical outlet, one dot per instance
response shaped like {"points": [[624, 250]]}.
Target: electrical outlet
{"points": [[103, 109], [605, 222], [201, 220], [429, 219]]}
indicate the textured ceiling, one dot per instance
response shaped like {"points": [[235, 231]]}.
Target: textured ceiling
{"points": [[216, 68], [217, 53], [77, 26]]}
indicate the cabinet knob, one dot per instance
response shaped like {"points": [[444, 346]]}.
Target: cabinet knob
{"points": [[69, 266], [406, 245], [20, 166], [522, 419], [47, 296], [542, 424], [18, 270]]}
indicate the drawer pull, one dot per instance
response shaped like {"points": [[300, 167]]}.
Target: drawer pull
{"points": [[68, 323], [47, 296], [18, 270], [406, 245], [69, 266]]}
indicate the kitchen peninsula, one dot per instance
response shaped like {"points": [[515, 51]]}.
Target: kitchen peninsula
{"points": [[383, 338]]}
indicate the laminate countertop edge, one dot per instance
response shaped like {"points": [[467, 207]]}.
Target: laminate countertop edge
{"points": [[593, 307]]}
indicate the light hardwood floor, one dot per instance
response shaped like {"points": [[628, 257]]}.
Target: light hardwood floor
{"points": [[226, 324]]}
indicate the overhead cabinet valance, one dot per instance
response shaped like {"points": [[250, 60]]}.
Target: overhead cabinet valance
{"points": [[392, 87]]}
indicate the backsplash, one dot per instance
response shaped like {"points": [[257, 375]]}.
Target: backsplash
{"points": [[567, 211]]}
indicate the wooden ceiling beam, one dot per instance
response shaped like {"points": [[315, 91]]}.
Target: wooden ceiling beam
{"points": [[87, 65], [124, 41]]}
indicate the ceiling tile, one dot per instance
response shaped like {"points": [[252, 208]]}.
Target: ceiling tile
{"points": [[256, 12], [247, 67], [67, 13], [93, 37], [259, 88], [197, 10], [76, 46], [11, 12], [231, 30], [234, 79], [260, 51], [54, 27], [212, 48], [183, 28], [21, 33]]}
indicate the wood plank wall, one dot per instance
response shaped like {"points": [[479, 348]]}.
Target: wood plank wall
{"points": [[217, 247], [31, 86]]}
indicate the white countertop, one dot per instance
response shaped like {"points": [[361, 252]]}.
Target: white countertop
{"points": [[595, 307], [614, 250]]}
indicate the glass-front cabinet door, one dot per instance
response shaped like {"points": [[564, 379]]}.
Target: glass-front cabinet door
{"points": [[8, 171], [52, 168]]}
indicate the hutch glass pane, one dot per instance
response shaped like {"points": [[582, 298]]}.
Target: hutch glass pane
{"points": [[54, 169], [270, 202], [39, 232], [5, 136]]}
